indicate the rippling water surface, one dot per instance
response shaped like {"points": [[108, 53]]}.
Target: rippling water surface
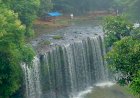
{"points": [[108, 90]]}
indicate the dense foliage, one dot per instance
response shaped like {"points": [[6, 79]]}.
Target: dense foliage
{"points": [[124, 56], [124, 59], [116, 27], [26, 9], [13, 51], [44, 8]]}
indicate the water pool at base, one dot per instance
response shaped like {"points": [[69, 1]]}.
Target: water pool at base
{"points": [[112, 91]]}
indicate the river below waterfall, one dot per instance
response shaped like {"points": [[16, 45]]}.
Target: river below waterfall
{"points": [[72, 66], [109, 92], [105, 91]]}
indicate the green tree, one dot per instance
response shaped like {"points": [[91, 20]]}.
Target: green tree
{"points": [[116, 27], [27, 11], [44, 8], [124, 57], [124, 60], [13, 51], [135, 84]]}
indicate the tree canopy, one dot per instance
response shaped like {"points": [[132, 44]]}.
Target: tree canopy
{"points": [[116, 27], [124, 60], [124, 57], [13, 51], [44, 8], [26, 9]]}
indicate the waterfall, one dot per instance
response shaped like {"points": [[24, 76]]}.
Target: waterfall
{"points": [[69, 69], [66, 70], [32, 80]]}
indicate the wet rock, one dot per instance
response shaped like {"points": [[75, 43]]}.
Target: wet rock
{"points": [[51, 44], [75, 32], [95, 34]]}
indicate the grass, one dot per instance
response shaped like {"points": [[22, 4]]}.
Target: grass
{"points": [[46, 42], [57, 37]]}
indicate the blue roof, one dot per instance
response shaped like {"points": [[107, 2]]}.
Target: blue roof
{"points": [[54, 14]]}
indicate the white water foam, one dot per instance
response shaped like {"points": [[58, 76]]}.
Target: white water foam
{"points": [[105, 84], [82, 93], [90, 89], [32, 79]]}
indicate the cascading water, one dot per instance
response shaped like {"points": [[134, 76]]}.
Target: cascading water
{"points": [[32, 80], [69, 69]]}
